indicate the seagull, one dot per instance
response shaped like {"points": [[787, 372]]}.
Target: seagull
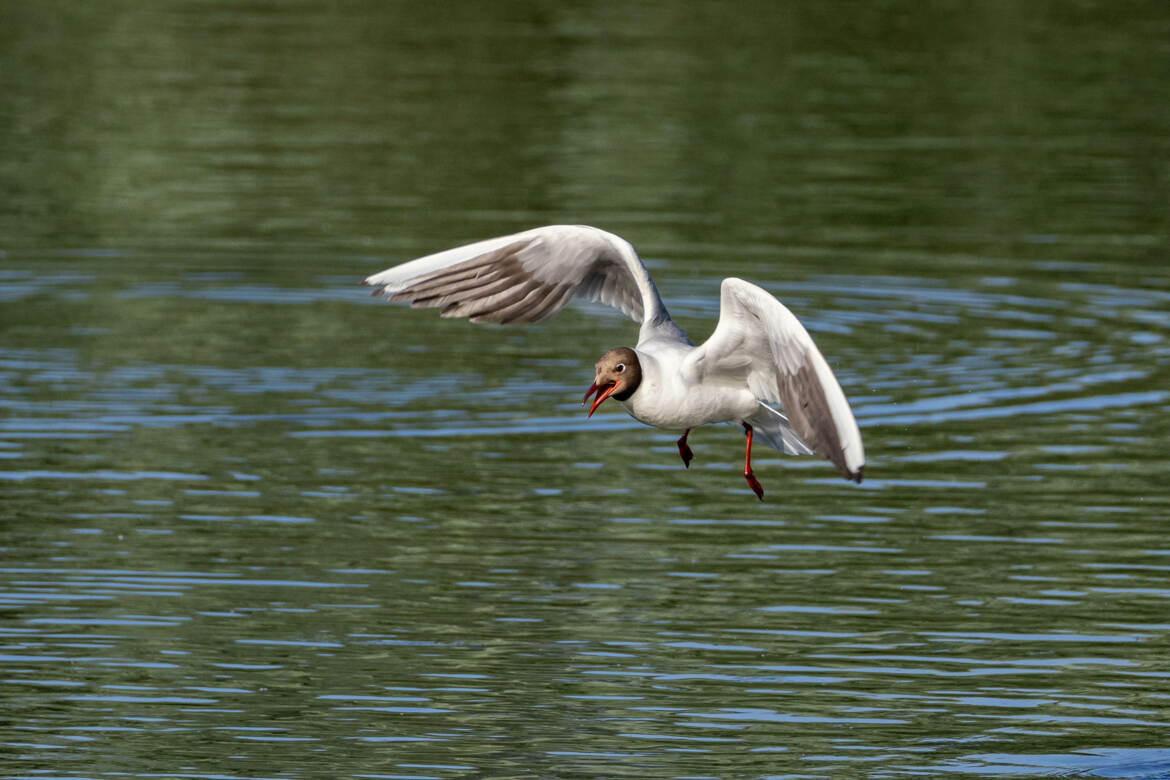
{"points": [[758, 357]]}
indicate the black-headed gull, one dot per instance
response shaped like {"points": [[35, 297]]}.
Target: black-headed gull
{"points": [[758, 355]]}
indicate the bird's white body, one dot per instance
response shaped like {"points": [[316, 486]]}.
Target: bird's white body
{"points": [[759, 355], [667, 400]]}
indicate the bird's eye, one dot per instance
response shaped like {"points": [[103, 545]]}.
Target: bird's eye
{"points": [[620, 367]]}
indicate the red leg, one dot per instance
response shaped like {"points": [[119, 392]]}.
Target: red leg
{"points": [[747, 465], [683, 450]]}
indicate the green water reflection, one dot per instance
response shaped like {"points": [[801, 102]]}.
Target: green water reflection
{"points": [[257, 524]]}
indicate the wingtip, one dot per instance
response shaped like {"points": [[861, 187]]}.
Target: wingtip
{"points": [[856, 476], [378, 288]]}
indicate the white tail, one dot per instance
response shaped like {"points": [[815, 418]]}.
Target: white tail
{"points": [[771, 427]]}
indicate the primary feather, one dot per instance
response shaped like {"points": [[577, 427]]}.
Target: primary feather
{"points": [[760, 342], [529, 276]]}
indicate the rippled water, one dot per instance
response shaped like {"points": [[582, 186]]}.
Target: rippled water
{"points": [[259, 524]]}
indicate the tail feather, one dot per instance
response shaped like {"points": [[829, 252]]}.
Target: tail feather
{"points": [[771, 427]]}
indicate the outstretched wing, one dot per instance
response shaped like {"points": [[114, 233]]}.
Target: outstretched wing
{"points": [[528, 276], [760, 342]]}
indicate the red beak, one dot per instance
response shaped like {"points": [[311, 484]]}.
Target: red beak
{"points": [[602, 394]]}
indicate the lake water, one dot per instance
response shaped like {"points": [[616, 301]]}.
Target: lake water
{"points": [[256, 523]]}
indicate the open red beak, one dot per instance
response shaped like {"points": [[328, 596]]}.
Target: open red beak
{"points": [[602, 394]]}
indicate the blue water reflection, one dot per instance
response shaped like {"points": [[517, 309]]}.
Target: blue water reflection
{"points": [[255, 523]]}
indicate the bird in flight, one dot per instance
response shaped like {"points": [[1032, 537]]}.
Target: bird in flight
{"points": [[758, 357]]}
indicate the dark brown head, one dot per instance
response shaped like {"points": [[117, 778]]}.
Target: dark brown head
{"points": [[618, 374]]}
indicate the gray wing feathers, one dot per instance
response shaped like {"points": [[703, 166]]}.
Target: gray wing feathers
{"points": [[811, 412], [526, 277], [493, 287], [759, 340]]}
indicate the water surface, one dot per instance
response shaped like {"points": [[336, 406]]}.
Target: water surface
{"points": [[259, 524]]}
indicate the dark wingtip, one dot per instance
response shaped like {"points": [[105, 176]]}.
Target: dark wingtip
{"points": [[856, 476]]}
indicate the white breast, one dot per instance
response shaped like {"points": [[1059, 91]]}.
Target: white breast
{"points": [[665, 400]]}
